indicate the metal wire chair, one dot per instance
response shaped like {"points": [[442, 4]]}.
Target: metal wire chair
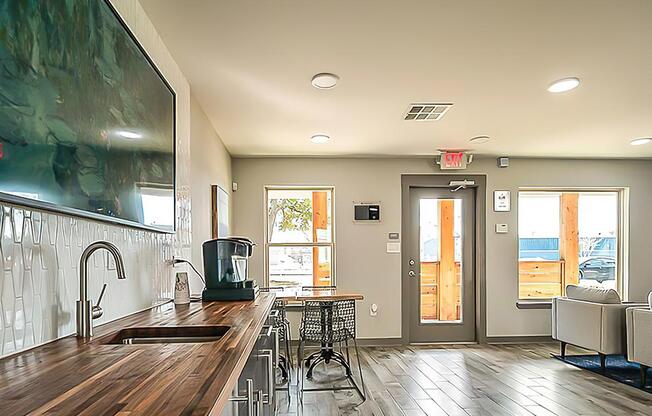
{"points": [[328, 323]]}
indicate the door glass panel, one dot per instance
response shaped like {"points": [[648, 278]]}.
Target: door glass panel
{"points": [[440, 248]]}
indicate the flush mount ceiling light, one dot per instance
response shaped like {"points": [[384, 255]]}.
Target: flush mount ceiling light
{"points": [[480, 139], [564, 84], [129, 134], [641, 141], [320, 138], [324, 80]]}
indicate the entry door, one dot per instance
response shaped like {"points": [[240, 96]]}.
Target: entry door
{"points": [[441, 269]]}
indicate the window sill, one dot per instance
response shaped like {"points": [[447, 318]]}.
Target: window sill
{"points": [[534, 304]]}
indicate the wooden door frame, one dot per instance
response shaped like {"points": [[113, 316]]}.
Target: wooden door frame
{"points": [[441, 181]]}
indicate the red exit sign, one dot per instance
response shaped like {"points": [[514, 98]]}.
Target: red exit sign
{"points": [[453, 160]]}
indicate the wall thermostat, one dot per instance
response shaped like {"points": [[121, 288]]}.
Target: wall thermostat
{"points": [[503, 162], [366, 212]]}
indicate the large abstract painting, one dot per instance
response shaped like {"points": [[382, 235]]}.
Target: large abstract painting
{"points": [[87, 123]]}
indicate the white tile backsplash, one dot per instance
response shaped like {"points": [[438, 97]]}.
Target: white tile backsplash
{"points": [[39, 255]]}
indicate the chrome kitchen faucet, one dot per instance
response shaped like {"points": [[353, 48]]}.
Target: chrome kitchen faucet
{"points": [[86, 312]]}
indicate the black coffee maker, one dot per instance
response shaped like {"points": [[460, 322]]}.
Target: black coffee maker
{"points": [[226, 263]]}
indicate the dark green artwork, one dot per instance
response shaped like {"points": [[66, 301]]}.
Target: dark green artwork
{"points": [[86, 121]]}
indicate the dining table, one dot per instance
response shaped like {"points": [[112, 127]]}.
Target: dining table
{"points": [[290, 295]]}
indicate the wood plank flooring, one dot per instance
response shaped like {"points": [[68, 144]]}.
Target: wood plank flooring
{"points": [[462, 380]]}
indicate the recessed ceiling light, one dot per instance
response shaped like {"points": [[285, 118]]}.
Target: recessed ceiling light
{"points": [[480, 139], [641, 141], [325, 80], [129, 134], [564, 84], [319, 138]]}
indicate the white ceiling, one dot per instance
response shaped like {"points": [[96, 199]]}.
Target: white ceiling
{"points": [[250, 62]]}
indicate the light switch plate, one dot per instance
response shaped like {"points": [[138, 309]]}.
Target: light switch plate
{"points": [[502, 229], [393, 247]]}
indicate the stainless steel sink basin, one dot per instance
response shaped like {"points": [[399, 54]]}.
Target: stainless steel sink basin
{"points": [[169, 334]]}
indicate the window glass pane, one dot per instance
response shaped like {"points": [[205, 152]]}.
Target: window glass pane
{"points": [[299, 216], [295, 266], [567, 238], [540, 270], [428, 230], [538, 225], [598, 232]]}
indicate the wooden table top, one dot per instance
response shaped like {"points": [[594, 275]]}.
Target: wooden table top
{"points": [[81, 377], [289, 295]]}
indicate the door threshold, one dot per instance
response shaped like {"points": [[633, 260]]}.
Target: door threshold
{"points": [[445, 343]]}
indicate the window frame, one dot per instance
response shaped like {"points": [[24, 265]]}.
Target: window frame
{"points": [[622, 237], [268, 244]]}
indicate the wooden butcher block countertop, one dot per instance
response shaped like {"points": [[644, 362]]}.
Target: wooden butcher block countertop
{"points": [[78, 377]]}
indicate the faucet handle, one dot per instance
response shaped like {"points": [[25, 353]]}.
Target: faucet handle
{"points": [[97, 309]]}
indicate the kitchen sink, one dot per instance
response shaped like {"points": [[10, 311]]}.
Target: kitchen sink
{"points": [[169, 334]]}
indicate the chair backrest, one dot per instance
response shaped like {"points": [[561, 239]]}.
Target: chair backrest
{"points": [[328, 321]]}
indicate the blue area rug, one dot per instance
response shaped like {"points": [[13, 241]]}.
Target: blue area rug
{"points": [[617, 368]]}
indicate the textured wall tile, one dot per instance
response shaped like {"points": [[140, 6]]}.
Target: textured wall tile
{"points": [[39, 271]]}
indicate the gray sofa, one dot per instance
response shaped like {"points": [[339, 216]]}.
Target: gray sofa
{"points": [[593, 319]]}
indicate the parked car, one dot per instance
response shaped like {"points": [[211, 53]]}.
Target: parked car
{"points": [[599, 269]]}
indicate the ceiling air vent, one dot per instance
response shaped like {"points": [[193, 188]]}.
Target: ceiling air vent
{"points": [[426, 111]]}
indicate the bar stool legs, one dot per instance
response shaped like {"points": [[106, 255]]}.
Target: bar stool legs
{"points": [[314, 359]]}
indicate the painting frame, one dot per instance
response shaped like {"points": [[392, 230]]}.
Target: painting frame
{"points": [[82, 213]]}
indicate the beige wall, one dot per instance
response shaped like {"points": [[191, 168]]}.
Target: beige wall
{"points": [[210, 165], [362, 263]]}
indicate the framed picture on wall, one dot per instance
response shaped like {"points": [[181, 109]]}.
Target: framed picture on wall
{"points": [[502, 201], [219, 212]]}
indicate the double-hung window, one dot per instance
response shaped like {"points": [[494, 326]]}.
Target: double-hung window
{"points": [[300, 241], [569, 237]]}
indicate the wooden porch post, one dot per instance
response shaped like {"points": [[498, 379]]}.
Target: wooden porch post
{"points": [[569, 241], [447, 273], [319, 222]]}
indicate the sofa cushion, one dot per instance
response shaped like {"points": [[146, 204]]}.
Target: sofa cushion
{"points": [[591, 294]]}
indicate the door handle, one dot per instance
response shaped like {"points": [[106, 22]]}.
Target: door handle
{"points": [[411, 273]]}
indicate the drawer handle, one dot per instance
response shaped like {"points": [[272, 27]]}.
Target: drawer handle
{"points": [[249, 398]]}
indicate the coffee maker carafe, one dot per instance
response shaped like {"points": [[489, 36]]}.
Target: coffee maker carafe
{"points": [[226, 269]]}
